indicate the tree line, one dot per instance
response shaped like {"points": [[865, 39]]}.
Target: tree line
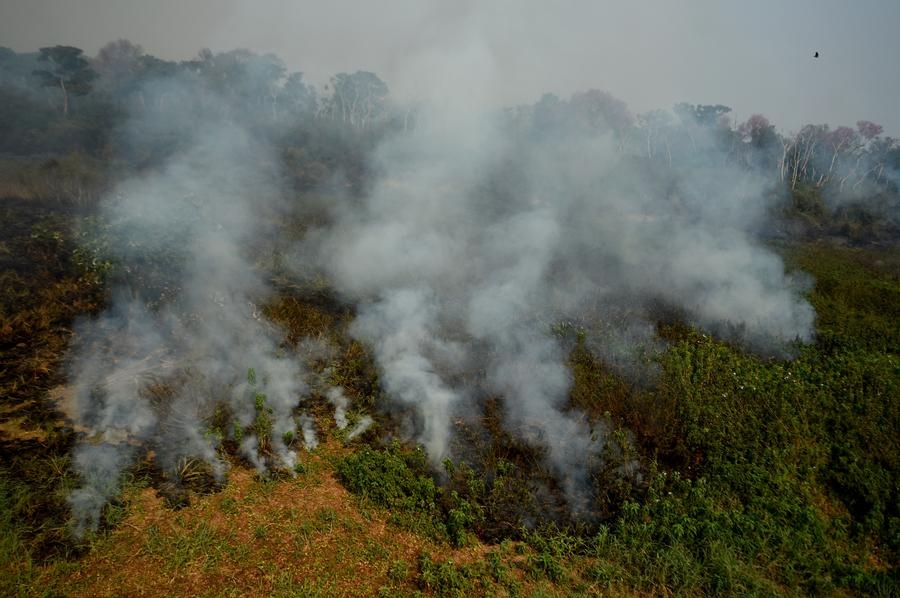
{"points": [[123, 75], [59, 100]]}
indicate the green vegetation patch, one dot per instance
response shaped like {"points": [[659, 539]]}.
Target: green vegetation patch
{"points": [[396, 478]]}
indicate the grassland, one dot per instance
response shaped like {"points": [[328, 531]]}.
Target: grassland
{"points": [[761, 477]]}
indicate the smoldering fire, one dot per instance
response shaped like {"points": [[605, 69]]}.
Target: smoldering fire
{"points": [[469, 244]]}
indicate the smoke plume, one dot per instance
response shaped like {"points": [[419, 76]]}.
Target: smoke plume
{"points": [[482, 240], [183, 341], [485, 231]]}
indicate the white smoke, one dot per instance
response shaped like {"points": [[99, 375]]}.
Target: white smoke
{"points": [[308, 427], [478, 237], [183, 337], [362, 425], [335, 396]]}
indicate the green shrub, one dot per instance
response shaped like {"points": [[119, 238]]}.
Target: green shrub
{"points": [[396, 478], [449, 579]]}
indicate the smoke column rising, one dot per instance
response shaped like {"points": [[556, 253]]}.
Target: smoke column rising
{"points": [[477, 237], [151, 371], [479, 233]]}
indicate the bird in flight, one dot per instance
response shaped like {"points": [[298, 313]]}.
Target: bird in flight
{"points": [[816, 54]]}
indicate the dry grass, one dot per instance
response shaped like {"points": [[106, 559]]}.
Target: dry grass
{"points": [[41, 294], [303, 536]]}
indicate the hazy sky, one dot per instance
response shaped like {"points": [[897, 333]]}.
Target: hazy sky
{"points": [[755, 55]]}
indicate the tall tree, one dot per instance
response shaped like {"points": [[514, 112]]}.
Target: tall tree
{"points": [[703, 115], [599, 111], [300, 98], [262, 81], [118, 64], [7, 58], [245, 80], [357, 99], [801, 153], [657, 127], [760, 144], [68, 70], [868, 130]]}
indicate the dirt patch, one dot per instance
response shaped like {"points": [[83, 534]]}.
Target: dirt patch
{"points": [[62, 397], [19, 428], [254, 537]]}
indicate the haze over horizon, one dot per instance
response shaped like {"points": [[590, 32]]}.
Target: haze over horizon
{"points": [[754, 57]]}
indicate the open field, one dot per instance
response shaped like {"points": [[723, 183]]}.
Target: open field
{"points": [[759, 476]]}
